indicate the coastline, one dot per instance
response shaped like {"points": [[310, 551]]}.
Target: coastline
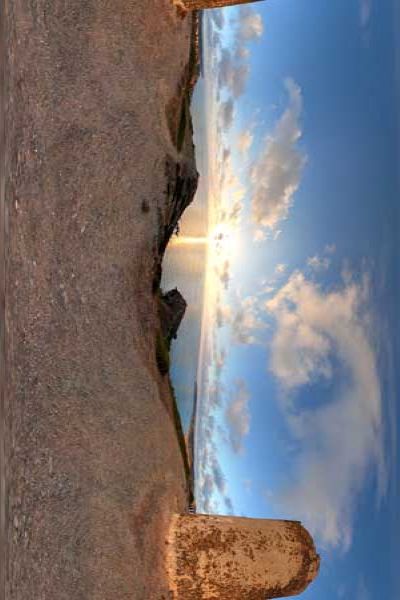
{"points": [[94, 467]]}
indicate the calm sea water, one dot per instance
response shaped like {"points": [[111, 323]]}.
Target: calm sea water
{"points": [[184, 268]]}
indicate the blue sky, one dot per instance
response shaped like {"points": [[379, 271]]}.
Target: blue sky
{"points": [[299, 334]]}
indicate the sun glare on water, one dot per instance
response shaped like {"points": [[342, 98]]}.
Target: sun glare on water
{"points": [[221, 240]]}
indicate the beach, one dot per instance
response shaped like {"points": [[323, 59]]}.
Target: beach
{"points": [[94, 468]]}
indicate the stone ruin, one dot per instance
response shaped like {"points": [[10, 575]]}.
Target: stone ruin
{"points": [[236, 558]]}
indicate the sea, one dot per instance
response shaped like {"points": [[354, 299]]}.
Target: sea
{"points": [[184, 268]]}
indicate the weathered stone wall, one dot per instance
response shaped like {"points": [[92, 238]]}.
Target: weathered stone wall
{"points": [[234, 558], [200, 4]]}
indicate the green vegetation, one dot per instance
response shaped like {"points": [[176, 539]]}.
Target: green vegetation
{"points": [[162, 354]]}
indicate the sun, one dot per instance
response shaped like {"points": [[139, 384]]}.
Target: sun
{"points": [[222, 239]]}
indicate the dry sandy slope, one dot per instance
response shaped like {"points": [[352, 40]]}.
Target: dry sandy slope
{"points": [[94, 467]]}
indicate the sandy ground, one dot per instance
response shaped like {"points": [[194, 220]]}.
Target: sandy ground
{"points": [[94, 469]]}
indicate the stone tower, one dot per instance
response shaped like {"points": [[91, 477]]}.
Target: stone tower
{"points": [[201, 4], [235, 558]]}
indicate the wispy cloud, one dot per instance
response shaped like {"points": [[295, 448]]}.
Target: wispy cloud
{"points": [[223, 273], [223, 314], [243, 319], [277, 173], [318, 333], [250, 24], [232, 74], [217, 17], [245, 140], [318, 263], [233, 67], [219, 361], [212, 493], [330, 249], [280, 269], [237, 416], [363, 592], [260, 235], [365, 12]]}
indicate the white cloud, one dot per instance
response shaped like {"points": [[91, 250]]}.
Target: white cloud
{"points": [[277, 173], [237, 416], [323, 335], [211, 486], [280, 269], [233, 67], [232, 73], [217, 16], [242, 53], [214, 394], [277, 233], [268, 289], [219, 361], [318, 263], [245, 141], [235, 211], [245, 322], [250, 24], [223, 314], [260, 235], [231, 191]]}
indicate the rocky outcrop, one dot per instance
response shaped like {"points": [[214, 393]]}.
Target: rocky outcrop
{"points": [[182, 180], [172, 308]]}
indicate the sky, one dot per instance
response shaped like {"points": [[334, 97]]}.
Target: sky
{"points": [[293, 323]]}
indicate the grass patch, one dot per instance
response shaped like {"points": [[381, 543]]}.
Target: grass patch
{"points": [[162, 354]]}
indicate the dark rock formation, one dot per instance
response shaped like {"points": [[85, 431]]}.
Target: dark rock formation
{"points": [[182, 180], [172, 309]]}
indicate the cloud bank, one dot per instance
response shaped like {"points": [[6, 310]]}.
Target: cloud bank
{"points": [[233, 68], [318, 335], [277, 173]]}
